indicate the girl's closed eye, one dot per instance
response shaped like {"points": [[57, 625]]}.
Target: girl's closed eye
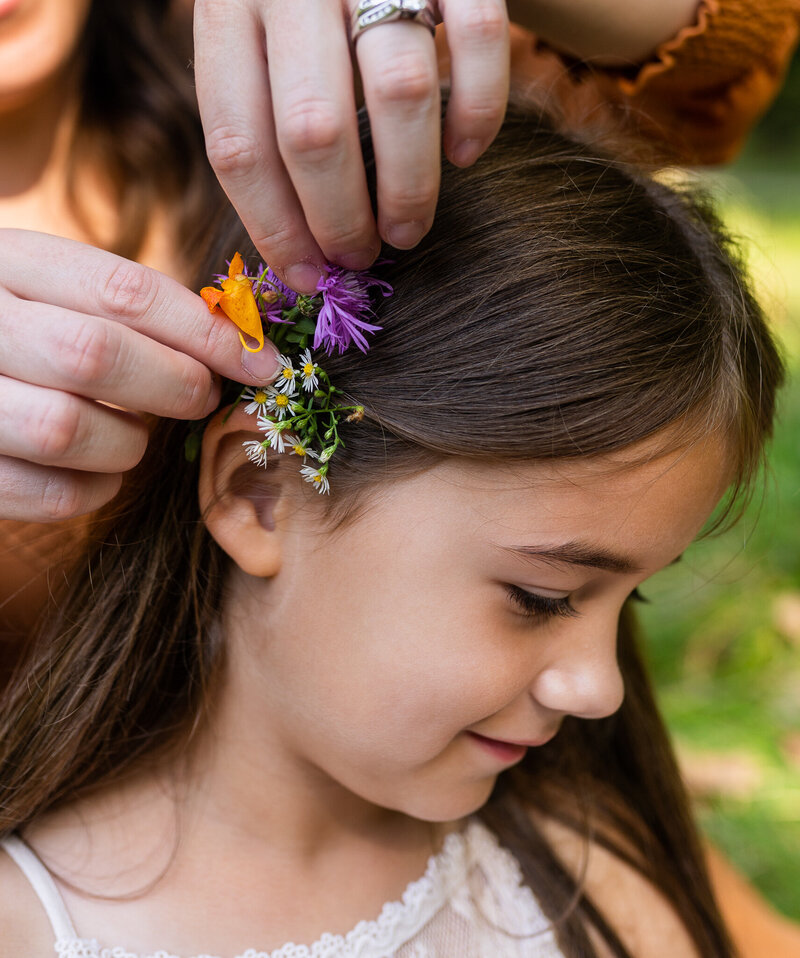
{"points": [[534, 605], [542, 606]]}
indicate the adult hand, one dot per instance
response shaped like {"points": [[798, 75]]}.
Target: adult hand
{"points": [[80, 327], [275, 87]]}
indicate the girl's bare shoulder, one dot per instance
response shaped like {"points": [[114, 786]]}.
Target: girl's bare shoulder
{"points": [[641, 915], [24, 927]]}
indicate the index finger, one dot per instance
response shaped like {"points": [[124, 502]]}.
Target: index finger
{"points": [[72, 275], [234, 96], [317, 131]]}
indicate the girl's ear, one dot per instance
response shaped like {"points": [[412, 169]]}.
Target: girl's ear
{"points": [[240, 501]]}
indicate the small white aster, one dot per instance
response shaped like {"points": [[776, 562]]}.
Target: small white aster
{"points": [[256, 452], [316, 478], [308, 371], [277, 402], [258, 399], [285, 381], [274, 433], [300, 450]]}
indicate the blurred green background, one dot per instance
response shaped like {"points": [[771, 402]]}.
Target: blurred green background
{"points": [[723, 626]]}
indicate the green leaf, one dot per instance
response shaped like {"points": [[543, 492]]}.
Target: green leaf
{"points": [[191, 446], [305, 325]]}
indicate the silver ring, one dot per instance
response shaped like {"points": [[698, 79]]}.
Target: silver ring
{"points": [[372, 13]]}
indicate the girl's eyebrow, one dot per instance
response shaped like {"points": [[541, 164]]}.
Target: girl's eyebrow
{"points": [[579, 553]]}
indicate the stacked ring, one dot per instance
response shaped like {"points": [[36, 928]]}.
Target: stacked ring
{"points": [[372, 13]]}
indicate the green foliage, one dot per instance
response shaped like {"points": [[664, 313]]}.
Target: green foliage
{"points": [[723, 625], [776, 139]]}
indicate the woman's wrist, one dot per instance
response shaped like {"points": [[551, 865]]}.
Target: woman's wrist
{"points": [[609, 33]]}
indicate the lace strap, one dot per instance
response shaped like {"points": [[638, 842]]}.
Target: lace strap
{"points": [[42, 883]]}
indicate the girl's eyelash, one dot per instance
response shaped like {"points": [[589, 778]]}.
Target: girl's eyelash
{"points": [[543, 606], [540, 606]]}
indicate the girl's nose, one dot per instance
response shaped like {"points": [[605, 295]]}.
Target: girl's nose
{"points": [[584, 679]]}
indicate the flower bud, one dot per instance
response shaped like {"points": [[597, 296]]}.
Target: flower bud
{"points": [[306, 305]]}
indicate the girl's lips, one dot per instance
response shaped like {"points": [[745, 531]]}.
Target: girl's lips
{"points": [[505, 751]]}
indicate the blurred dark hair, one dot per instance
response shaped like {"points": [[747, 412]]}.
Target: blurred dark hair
{"points": [[138, 120], [563, 305]]}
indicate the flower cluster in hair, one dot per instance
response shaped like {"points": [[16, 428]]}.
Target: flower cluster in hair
{"points": [[299, 412]]}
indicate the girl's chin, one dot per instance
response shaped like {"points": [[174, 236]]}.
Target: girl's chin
{"points": [[443, 807]]}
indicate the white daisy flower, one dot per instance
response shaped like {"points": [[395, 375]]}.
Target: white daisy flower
{"points": [[277, 402], [308, 371], [285, 381], [258, 399], [300, 450], [256, 452], [316, 478], [274, 433]]}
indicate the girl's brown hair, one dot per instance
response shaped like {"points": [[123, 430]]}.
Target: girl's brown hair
{"points": [[563, 305]]}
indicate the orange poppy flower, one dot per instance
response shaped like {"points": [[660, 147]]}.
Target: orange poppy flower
{"points": [[237, 301]]}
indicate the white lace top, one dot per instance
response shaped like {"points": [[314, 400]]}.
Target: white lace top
{"points": [[470, 903]]}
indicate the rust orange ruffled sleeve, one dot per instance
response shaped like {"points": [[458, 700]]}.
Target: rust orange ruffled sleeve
{"points": [[703, 91], [694, 101]]}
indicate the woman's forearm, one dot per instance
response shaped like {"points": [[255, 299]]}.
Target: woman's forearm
{"points": [[608, 32]]}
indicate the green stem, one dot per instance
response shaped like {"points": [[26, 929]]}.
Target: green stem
{"points": [[234, 404]]}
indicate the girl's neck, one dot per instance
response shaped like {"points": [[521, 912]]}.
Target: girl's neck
{"points": [[240, 777], [132, 857], [239, 807], [235, 808]]}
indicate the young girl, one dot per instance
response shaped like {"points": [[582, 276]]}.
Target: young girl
{"points": [[261, 718]]}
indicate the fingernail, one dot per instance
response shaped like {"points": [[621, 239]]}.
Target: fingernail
{"points": [[360, 260], [467, 152], [302, 277], [262, 366], [405, 235]]}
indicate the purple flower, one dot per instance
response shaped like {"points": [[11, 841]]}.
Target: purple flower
{"points": [[272, 282], [345, 307], [287, 298]]}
